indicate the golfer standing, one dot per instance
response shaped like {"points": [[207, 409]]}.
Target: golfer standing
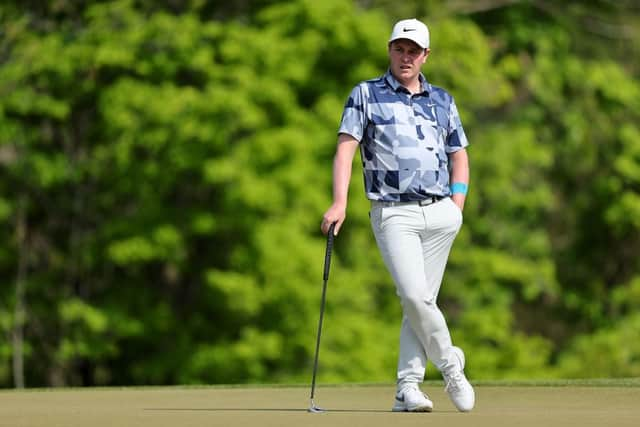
{"points": [[416, 174]]}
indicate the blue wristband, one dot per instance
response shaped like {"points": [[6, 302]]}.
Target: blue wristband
{"points": [[459, 188]]}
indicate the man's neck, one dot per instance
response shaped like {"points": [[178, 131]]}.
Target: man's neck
{"points": [[413, 86]]}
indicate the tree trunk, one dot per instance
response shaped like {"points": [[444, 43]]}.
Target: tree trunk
{"points": [[17, 336]]}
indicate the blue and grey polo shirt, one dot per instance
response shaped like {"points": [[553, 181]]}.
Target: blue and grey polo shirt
{"points": [[404, 139]]}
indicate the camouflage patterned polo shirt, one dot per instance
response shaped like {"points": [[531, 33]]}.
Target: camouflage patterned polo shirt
{"points": [[404, 139]]}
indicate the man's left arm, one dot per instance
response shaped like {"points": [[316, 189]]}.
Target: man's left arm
{"points": [[459, 179]]}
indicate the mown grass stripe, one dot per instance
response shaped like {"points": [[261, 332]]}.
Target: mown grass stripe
{"points": [[595, 382]]}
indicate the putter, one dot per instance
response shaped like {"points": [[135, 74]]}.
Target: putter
{"points": [[327, 263]]}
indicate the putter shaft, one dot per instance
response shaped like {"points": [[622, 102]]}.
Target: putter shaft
{"points": [[327, 263]]}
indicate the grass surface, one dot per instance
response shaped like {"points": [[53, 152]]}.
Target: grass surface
{"points": [[526, 403]]}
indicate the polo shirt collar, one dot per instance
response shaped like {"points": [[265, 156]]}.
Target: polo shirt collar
{"points": [[395, 84]]}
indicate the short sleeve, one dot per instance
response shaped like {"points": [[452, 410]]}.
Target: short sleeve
{"points": [[354, 120], [456, 138]]}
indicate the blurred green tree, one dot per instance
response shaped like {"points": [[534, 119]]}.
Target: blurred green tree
{"points": [[164, 167]]}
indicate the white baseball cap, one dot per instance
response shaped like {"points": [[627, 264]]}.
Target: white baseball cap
{"points": [[413, 30]]}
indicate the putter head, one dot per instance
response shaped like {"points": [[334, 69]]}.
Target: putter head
{"points": [[315, 409]]}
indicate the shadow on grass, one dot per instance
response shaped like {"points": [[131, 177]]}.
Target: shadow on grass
{"points": [[267, 410]]}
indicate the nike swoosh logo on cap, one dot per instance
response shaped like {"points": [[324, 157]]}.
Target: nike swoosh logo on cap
{"points": [[408, 29]]}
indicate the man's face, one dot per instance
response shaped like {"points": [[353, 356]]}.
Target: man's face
{"points": [[406, 59]]}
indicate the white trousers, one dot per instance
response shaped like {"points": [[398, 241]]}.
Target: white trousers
{"points": [[415, 242]]}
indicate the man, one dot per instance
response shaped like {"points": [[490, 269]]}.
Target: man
{"points": [[416, 174]]}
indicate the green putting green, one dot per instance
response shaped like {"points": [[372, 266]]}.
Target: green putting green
{"points": [[614, 403]]}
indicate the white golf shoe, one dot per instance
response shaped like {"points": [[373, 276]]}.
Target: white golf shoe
{"points": [[412, 399], [458, 387]]}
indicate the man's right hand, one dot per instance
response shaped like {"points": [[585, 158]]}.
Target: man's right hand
{"points": [[336, 213]]}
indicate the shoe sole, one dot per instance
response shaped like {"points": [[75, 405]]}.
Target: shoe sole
{"points": [[418, 409], [414, 410]]}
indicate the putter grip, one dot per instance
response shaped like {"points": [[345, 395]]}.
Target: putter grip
{"points": [[327, 254]]}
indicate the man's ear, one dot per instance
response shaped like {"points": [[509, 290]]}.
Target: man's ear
{"points": [[427, 51]]}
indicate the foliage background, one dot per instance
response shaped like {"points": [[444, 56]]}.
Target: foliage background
{"points": [[164, 167]]}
